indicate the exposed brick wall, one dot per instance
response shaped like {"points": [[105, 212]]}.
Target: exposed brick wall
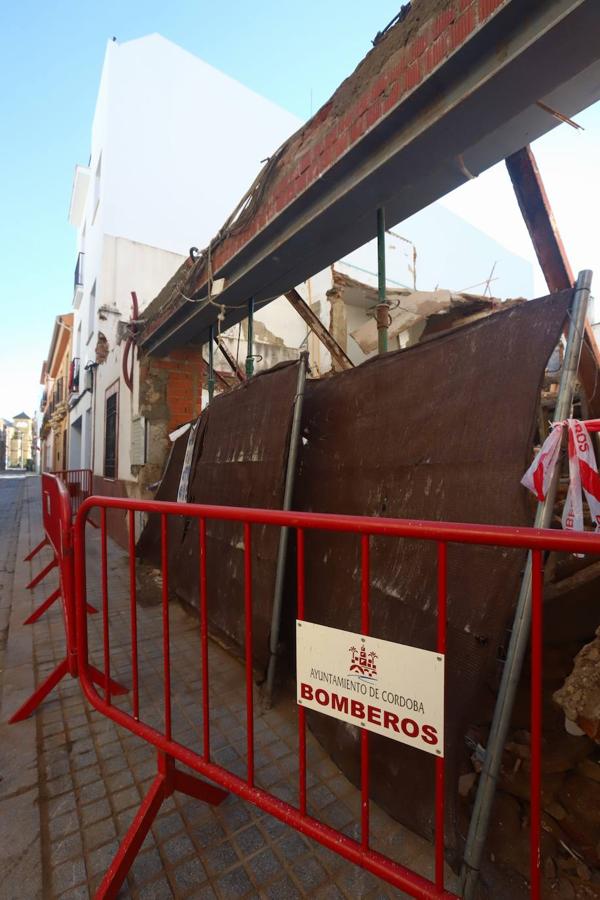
{"points": [[171, 387], [404, 59]]}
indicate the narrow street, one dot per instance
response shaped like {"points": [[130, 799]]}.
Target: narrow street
{"points": [[11, 502], [11, 497]]}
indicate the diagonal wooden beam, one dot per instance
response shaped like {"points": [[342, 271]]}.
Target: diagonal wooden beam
{"points": [[545, 237], [539, 219], [317, 327], [237, 371]]}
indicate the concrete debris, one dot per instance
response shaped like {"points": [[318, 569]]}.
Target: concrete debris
{"points": [[409, 311], [579, 697]]}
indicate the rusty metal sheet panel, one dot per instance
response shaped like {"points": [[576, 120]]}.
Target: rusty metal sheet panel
{"points": [[240, 460], [440, 431]]}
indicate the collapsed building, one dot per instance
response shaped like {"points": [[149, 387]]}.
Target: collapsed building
{"points": [[423, 467], [439, 425]]}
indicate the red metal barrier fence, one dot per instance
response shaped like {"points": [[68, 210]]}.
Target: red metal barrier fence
{"points": [[79, 487], [58, 528], [61, 499], [170, 751]]}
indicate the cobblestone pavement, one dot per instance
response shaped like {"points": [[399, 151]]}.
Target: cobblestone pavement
{"points": [[11, 498], [91, 775]]}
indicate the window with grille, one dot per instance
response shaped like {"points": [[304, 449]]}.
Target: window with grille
{"points": [[110, 436]]}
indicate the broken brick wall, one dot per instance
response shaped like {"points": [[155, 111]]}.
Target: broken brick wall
{"points": [[170, 394]]}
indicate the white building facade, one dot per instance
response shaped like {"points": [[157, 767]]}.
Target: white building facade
{"points": [[174, 145]]}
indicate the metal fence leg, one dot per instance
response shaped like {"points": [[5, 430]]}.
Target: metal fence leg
{"points": [[39, 612], [52, 680], [168, 780], [99, 677], [480, 818], [36, 550], [40, 693], [41, 575]]}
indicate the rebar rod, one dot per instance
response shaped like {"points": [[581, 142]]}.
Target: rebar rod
{"points": [[249, 352], [383, 308]]}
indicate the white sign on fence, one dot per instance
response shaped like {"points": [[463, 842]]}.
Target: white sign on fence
{"points": [[388, 688]]}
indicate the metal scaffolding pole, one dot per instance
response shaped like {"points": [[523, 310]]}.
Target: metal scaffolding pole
{"points": [[211, 364], [519, 639], [284, 533], [249, 353], [383, 307]]}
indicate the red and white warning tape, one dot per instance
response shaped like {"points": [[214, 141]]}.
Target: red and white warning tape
{"points": [[583, 472]]}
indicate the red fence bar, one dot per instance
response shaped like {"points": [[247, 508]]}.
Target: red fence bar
{"points": [[133, 618], [454, 532], [164, 543], [249, 678], [537, 639], [301, 710], [105, 618], [364, 736], [204, 642], [440, 763], [171, 751]]}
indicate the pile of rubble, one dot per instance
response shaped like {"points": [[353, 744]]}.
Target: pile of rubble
{"points": [[570, 786]]}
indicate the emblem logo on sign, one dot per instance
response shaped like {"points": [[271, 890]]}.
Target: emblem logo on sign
{"points": [[362, 664]]}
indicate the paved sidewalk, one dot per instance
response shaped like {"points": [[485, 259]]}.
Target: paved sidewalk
{"points": [[79, 779], [20, 846]]}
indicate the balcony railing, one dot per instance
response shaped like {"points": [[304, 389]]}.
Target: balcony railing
{"points": [[79, 271]]}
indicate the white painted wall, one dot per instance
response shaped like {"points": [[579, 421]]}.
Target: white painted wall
{"points": [[177, 143], [183, 143]]}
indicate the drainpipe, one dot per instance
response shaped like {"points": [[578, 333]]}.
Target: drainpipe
{"points": [[211, 364], [519, 639], [249, 356], [383, 307], [284, 533]]}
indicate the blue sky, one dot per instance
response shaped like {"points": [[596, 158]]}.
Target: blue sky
{"points": [[295, 54], [50, 61]]}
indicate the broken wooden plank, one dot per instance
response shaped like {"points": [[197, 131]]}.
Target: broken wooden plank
{"points": [[545, 237], [577, 580], [317, 327], [237, 371]]}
